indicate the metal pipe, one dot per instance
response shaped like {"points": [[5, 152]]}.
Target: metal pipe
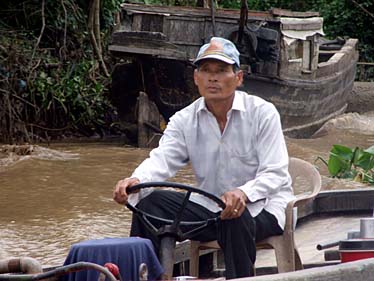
{"points": [[167, 252], [327, 245], [59, 271], [24, 265]]}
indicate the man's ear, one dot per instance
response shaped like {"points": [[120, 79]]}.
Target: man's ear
{"points": [[239, 77], [195, 76]]}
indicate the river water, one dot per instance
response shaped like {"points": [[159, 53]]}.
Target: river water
{"points": [[63, 193]]}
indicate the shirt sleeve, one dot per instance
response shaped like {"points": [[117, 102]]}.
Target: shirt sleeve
{"points": [[165, 160], [272, 173]]}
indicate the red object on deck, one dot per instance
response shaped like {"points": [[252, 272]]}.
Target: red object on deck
{"points": [[357, 255], [356, 249], [113, 268]]}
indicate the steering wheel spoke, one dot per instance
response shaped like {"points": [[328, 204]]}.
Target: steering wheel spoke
{"points": [[178, 215]]}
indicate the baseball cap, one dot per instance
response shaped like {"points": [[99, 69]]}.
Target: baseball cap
{"points": [[220, 49]]}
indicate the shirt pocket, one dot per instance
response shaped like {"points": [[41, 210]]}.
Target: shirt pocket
{"points": [[243, 165], [245, 156]]}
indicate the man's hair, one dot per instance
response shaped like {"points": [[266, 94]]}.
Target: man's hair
{"points": [[235, 68]]}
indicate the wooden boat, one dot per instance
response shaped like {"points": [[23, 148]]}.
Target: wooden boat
{"points": [[283, 56]]}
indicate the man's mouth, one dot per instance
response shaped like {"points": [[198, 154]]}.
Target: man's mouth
{"points": [[213, 89]]}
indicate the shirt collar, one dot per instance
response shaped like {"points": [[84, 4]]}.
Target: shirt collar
{"points": [[238, 103], [202, 106]]}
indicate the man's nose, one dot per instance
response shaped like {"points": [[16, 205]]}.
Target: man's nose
{"points": [[213, 76]]}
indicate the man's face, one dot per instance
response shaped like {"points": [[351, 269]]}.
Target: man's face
{"points": [[217, 80]]}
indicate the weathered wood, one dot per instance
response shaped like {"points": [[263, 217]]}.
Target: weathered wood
{"points": [[266, 270], [302, 26], [344, 200], [182, 251], [165, 53], [197, 11], [328, 202], [362, 270], [147, 114], [287, 13]]}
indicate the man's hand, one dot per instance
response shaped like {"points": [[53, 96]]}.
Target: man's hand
{"points": [[120, 190], [235, 201]]}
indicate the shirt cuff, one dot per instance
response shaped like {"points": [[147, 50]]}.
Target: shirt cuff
{"points": [[251, 192]]}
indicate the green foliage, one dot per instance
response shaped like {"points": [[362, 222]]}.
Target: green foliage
{"points": [[63, 91], [357, 163], [108, 7], [81, 100]]}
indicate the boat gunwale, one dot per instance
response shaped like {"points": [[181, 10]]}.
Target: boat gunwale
{"points": [[195, 11], [272, 14]]}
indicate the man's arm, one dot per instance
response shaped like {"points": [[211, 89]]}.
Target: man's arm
{"points": [[163, 162], [171, 154]]}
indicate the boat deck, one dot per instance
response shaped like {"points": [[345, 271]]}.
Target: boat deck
{"points": [[316, 230]]}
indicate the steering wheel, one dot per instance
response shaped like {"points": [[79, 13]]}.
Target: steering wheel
{"points": [[172, 227]]}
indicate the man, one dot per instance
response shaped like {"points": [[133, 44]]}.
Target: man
{"points": [[235, 144]]}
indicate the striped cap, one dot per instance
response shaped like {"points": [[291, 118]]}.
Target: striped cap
{"points": [[220, 49]]}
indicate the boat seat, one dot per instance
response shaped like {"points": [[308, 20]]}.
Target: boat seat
{"points": [[306, 178]]}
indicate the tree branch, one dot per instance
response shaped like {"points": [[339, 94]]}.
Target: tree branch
{"points": [[65, 28], [41, 31], [94, 39], [362, 8]]}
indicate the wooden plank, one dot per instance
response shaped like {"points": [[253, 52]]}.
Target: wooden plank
{"points": [[137, 22], [162, 53], [361, 270], [288, 13], [302, 26], [307, 49], [182, 251], [196, 11], [147, 113], [185, 30], [344, 200]]}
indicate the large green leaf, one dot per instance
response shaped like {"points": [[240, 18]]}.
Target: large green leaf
{"points": [[370, 150], [337, 164], [342, 151], [365, 161]]}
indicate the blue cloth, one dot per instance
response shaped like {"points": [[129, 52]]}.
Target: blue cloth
{"points": [[126, 253]]}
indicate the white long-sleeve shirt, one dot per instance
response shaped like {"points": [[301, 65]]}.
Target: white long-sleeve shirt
{"points": [[250, 154]]}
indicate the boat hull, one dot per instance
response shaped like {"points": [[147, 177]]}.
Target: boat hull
{"points": [[304, 105]]}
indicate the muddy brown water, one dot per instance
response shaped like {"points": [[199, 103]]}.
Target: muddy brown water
{"points": [[63, 194]]}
